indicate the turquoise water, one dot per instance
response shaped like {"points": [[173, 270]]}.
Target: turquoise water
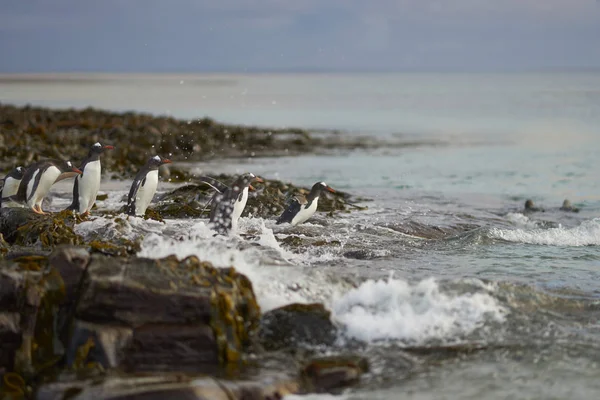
{"points": [[444, 252]]}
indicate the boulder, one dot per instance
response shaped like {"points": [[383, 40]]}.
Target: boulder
{"points": [[327, 374], [296, 325], [182, 314], [23, 227]]}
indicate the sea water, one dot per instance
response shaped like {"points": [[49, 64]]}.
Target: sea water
{"points": [[444, 254]]}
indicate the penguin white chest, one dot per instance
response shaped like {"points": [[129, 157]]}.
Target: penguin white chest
{"points": [[11, 186], [146, 192], [89, 184], [305, 213], [35, 194], [238, 207]]}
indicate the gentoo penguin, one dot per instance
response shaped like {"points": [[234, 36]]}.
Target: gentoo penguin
{"points": [[530, 207], [144, 186], [10, 185], [229, 205], [567, 206], [38, 179], [85, 188], [301, 208]]}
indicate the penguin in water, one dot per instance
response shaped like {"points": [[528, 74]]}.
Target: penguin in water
{"points": [[10, 185], [301, 208], [530, 207], [144, 186], [567, 206], [39, 178], [230, 204], [86, 186]]}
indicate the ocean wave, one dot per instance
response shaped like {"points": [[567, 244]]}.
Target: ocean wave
{"points": [[275, 283], [586, 234], [521, 220], [395, 310]]}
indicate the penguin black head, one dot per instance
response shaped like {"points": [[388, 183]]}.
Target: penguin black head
{"points": [[320, 186], [157, 161], [244, 181], [16, 173], [66, 167], [98, 148], [529, 204]]}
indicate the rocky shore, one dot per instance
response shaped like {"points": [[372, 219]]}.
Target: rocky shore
{"points": [[86, 318], [32, 133]]}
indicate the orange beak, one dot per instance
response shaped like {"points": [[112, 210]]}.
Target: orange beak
{"points": [[257, 179], [166, 161], [330, 189], [109, 147], [77, 170], [251, 188]]}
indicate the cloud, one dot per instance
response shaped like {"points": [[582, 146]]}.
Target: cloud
{"points": [[234, 34]]}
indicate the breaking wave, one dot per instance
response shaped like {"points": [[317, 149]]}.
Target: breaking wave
{"points": [[394, 309], [586, 234]]}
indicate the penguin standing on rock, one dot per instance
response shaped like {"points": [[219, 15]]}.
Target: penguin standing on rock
{"points": [[301, 208], [39, 178], [10, 185], [230, 204], [86, 186], [144, 186]]}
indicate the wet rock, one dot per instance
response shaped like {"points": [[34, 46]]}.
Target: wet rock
{"points": [[295, 325], [4, 247], [35, 293], [172, 305], [106, 344], [23, 227], [330, 373], [10, 338], [169, 386]]}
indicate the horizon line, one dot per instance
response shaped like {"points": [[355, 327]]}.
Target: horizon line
{"points": [[309, 70]]}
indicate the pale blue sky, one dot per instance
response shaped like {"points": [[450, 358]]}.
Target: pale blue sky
{"points": [[250, 35]]}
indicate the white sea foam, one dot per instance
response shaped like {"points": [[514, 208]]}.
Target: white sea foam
{"points": [[275, 285], [588, 233], [127, 227], [394, 310], [522, 221]]}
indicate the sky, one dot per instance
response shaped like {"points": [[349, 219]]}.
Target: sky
{"points": [[297, 35]]}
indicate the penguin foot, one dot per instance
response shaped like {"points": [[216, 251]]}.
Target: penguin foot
{"points": [[40, 211]]}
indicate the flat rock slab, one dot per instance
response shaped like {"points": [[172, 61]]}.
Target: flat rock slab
{"points": [[171, 387]]}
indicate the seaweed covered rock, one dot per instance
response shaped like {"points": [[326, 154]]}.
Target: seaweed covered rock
{"points": [[31, 295], [296, 325], [30, 133], [268, 201], [187, 201], [23, 227], [132, 314], [182, 314]]}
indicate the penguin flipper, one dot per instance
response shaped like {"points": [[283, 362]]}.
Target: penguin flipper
{"points": [[135, 186], [213, 183], [75, 203], [290, 212]]}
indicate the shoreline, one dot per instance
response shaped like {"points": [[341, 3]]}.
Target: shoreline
{"points": [[30, 133]]}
